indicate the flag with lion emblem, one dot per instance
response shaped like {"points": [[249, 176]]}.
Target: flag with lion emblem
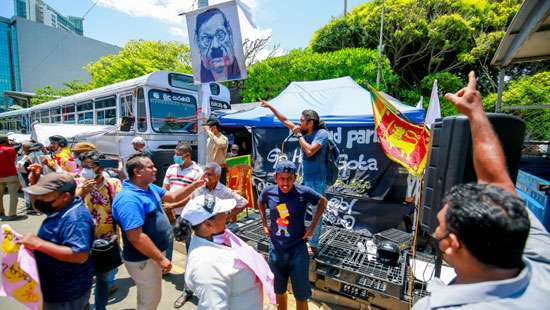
{"points": [[401, 140]]}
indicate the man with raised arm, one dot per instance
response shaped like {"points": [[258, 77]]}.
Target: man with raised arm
{"points": [[499, 250], [145, 228]]}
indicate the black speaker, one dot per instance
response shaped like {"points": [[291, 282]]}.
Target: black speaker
{"points": [[451, 161]]}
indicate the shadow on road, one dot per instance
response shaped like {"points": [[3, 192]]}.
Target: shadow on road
{"points": [[124, 286]]}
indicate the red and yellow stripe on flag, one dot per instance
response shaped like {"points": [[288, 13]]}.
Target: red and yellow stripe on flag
{"points": [[239, 177], [401, 140]]}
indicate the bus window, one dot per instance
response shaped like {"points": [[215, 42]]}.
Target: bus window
{"points": [[105, 110], [85, 113], [45, 116], [182, 81], [68, 114], [141, 114], [172, 112], [55, 114], [125, 105]]}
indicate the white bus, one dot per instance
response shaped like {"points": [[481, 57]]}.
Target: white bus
{"points": [[161, 107]]}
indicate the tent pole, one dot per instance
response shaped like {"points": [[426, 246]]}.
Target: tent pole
{"points": [[500, 88]]}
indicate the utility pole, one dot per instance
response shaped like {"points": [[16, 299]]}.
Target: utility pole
{"points": [[380, 47], [204, 102], [345, 7]]}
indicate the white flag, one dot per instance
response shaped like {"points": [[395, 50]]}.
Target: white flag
{"points": [[434, 110], [420, 103]]}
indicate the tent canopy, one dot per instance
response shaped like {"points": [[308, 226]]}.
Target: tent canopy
{"points": [[339, 102]]}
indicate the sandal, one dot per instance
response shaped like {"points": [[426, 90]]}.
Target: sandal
{"points": [[184, 297]]}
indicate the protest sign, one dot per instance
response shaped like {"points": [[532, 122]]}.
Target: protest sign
{"points": [[239, 177], [20, 279]]}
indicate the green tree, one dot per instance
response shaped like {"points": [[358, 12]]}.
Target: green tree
{"points": [[425, 37], [49, 92], [528, 90], [138, 58], [267, 78]]}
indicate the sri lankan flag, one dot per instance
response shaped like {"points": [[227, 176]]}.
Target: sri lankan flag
{"points": [[402, 141], [239, 177]]}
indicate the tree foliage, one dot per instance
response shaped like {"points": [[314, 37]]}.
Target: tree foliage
{"points": [[138, 58], [528, 90], [425, 37], [49, 92], [267, 78]]}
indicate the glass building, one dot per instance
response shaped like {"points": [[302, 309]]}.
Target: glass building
{"points": [[38, 11], [9, 61]]}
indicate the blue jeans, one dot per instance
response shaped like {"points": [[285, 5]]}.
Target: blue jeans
{"points": [[102, 284], [319, 187]]}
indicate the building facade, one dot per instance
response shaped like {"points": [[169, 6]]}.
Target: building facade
{"points": [[33, 55], [9, 59], [38, 11]]}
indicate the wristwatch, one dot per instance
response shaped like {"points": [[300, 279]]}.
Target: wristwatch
{"points": [[298, 135]]}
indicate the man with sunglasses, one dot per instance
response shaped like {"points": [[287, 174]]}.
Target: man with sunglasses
{"points": [[63, 243], [98, 191], [498, 249], [146, 231]]}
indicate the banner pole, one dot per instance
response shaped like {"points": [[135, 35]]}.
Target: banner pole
{"points": [[204, 110]]}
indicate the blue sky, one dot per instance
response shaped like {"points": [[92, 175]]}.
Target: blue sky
{"points": [[291, 22]]}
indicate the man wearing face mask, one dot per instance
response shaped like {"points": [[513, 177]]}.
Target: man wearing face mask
{"points": [[63, 243], [62, 156], [146, 231], [497, 247], [97, 191], [181, 174], [214, 37], [222, 270]]}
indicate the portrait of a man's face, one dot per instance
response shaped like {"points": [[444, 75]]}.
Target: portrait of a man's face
{"points": [[217, 43]]}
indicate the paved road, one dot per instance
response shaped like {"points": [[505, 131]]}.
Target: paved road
{"points": [[125, 297]]}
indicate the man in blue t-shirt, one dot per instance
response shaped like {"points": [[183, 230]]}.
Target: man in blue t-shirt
{"points": [[288, 257], [63, 243], [313, 139], [145, 228]]}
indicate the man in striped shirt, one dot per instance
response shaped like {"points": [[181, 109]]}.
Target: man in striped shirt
{"points": [[181, 174]]}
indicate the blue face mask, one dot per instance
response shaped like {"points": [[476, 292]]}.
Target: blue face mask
{"points": [[178, 159]]}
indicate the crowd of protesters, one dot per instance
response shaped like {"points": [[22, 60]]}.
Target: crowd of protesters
{"points": [[499, 250]]}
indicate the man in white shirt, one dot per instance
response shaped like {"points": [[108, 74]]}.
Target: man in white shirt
{"points": [[216, 271], [212, 172]]}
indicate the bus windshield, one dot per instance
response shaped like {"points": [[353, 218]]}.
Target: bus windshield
{"points": [[172, 112]]}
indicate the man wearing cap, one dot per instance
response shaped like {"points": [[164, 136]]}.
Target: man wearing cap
{"points": [[63, 243], [62, 156], [234, 151], [8, 177], [146, 231], [288, 255], [216, 145], [139, 146], [222, 270]]}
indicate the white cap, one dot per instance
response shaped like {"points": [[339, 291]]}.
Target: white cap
{"points": [[198, 210], [139, 140]]}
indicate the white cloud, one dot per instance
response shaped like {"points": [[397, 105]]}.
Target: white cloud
{"points": [[180, 32], [167, 11]]}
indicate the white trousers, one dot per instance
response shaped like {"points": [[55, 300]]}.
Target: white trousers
{"points": [[147, 275]]}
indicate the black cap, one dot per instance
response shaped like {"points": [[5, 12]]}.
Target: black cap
{"points": [[212, 121], [52, 182]]}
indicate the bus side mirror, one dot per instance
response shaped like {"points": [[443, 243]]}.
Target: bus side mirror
{"points": [[126, 123]]}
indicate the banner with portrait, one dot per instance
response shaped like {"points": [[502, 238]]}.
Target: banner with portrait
{"points": [[216, 43], [20, 279]]}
